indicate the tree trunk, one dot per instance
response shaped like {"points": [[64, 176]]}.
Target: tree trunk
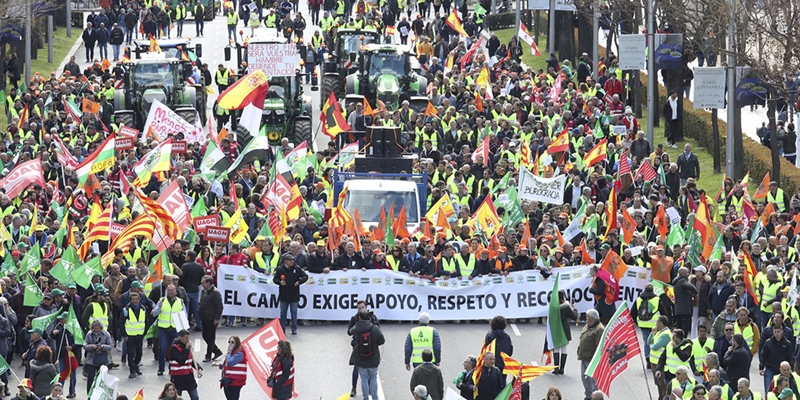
{"points": [[585, 24], [565, 34], [715, 140], [773, 140], [738, 145], [537, 21]]}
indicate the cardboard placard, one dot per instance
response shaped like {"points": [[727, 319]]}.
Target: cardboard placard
{"points": [[116, 229], [128, 132], [201, 223], [217, 233], [178, 146], [123, 143]]}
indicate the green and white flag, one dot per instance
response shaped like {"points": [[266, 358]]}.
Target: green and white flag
{"points": [[74, 327], [33, 295], [43, 322], [32, 261], [69, 262], [555, 330]]}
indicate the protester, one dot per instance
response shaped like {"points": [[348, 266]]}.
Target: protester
{"points": [[98, 346], [590, 338], [289, 277], [182, 365], [282, 376], [234, 369], [429, 376], [568, 313], [421, 338]]}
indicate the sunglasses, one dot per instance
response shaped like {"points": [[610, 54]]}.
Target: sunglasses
{"points": [[231, 342], [728, 330]]}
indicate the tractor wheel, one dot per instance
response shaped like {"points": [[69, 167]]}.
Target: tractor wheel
{"points": [[302, 131], [330, 83], [126, 118], [189, 114]]}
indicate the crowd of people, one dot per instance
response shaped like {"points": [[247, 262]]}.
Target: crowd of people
{"points": [[721, 309]]}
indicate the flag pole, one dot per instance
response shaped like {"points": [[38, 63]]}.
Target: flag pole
{"points": [[647, 381]]}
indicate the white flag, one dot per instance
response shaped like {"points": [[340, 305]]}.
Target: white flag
{"points": [[524, 35]]}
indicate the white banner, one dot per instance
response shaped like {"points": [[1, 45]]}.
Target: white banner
{"points": [[709, 87], [398, 297], [561, 5], [161, 122], [273, 59], [631, 51], [105, 385], [545, 190]]}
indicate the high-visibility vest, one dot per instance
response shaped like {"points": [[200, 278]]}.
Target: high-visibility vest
{"points": [[237, 373], [340, 7], [316, 41], [753, 396], [653, 305], [421, 339], [656, 354], [503, 266], [448, 265], [134, 325], [778, 198], [137, 254], [100, 313], [232, 18], [747, 332], [687, 386], [769, 292], [464, 200], [433, 137], [167, 311], [393, 262], [699, 352], [176, 369], [222, 77], [273, 262], [791, 313], [673, 362], [272, 21], [180, 13], [466, 267], [737, 203]]}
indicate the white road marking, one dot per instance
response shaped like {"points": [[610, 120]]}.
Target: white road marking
{"points": [[516, 330], [380, 389]]}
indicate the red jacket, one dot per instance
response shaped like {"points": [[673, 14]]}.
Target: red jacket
{"points": [[613, 86]]}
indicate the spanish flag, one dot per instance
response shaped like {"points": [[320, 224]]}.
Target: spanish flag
{"points": [[154, 47], [244, 91], [450, 61], [23, 117], [597, 154], [483, 79], [560, 144], [333, 121], [454, 22]]}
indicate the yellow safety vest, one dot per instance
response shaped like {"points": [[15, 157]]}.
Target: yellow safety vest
{"points": [[232, 18], [791, 313], [180, 13], [273, 262], [466, 267], [769, 291], [134, 325], [653, 305], [100, 313], [737, 203], [137, 254], [656, 354], [222, 77], [699, 352], [421, 339], [673, 362], [393, 262], [448, 265], [778, 198], [272, 20], [167, 311], [687, 389], [316, 41], [747, 332]]}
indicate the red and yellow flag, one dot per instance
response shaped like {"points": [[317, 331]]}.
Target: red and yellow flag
{"points": [[611, 212], [597, 154], [154, 47], [560, 144], [749, 275], [333, 122], [455, 22], [244, 91], [763, 188]]}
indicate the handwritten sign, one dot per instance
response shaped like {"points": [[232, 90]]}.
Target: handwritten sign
{"points": [[161, 122], [709, 87], [178, 146], [126, 131], [201, 223], [619, 130], [217, 233], [545, 190], [274, 59], [123, 143]]}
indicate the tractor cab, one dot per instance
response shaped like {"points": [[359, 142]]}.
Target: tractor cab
{"points": [[386, 74]]}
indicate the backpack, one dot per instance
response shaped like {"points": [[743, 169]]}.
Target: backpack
{"points": [[645, 313], [365, 344]]}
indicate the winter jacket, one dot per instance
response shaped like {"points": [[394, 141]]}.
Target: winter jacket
{"points": [[211, 305], [102, 36], [703, 289], [718, 295], [430, 376], [737, 363], [283, 389], [590, 339], [42, 373], [774, 353], [101, 338], [683, 295], [289, 292], [117, 37], [376, 338], [502, 345], [567, 314], [489, 386]]}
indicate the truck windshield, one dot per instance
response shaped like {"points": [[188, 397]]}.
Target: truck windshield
{"points": [[145, 74], [386, 63], [351, 43], [369, 204]]}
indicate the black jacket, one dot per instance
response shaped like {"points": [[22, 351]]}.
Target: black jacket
{"points": [[211, 305], [683, 295], [737, 363], [718, 295], [376, 339], [289, 292], [89, 38], [502, 345], [116, 36], [489, 386], [774, 353], [316, 263], [689, 167], [350, 262], [192, 275]]}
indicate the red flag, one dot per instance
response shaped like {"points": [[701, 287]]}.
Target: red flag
{"points": [[749, 275], [646, 171], [763, 188], [615, 267], [618, 345], [482, 150], [516, 391], [261, 347], [625, 166], [22, 176]]}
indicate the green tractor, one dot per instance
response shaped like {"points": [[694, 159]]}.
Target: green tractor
{"points": [[287, 111], [155, 76], [343, 60], [385, 73]]}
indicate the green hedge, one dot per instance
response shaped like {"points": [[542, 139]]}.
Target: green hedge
{"points": [[757, 158], [500, 21]]}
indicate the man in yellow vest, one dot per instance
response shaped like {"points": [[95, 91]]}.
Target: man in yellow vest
{"points": [[777, 196], [180, 16], [701, 346], [223, 78], [420, 338], [166, 311], [769, 292], [646, 310], [682, 381], [134, 315], [714, 380], [232, 19]]}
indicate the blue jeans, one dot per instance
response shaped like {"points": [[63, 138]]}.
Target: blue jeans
{"points": [[768, 375], [763, 317], [194, 308], [115, 47], [180, 27], [284, 308], [192, 394], [103, 49], [62, 365], [165, 339], [645, 336], [232, 33], [369, 382], [199, 24]]}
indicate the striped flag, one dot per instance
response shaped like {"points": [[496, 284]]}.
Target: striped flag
{"points": [[528, 372], [157, 212], [526, 37], [143, 225], [646, 171], [101, 230], [23, 116], [156, 160], [454, 22], [624, 165], [73, 109], [63, 155], [749, 275], [100, 160], [618, 345]]}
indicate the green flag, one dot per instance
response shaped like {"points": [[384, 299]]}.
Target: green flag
{"points": [[505, 394], [95, 266], [82, 275], [502, 184], [74, 327], [514, 213], [479, 10], [199, 209], [57, 209], [676, 236], [266, 231], [662, 174], [756, 232], [555, 330], [190, 236], [33, 295], [695, 248], [2, 101], [8, 265], [3, 363], [22, 87], [590, 226], [274, 169], [32, 260], [152, 332], [598, 130], [42, 322], [389, 231], [69, 262]]}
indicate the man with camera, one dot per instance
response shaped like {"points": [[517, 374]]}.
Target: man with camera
{"points": [[361, 305]]}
